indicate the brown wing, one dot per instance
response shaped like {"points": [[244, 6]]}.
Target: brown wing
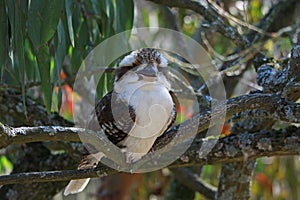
{"points": [[173, 117], [115, 123]]}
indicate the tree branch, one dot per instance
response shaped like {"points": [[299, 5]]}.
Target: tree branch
{"points": [[203, 8], [277, 107], [193, 182], [229, 149], [239, 175], [32, 156], [234, 148], [23, 135]]}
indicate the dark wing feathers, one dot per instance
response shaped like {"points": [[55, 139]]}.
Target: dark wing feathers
{"points": [[173, 117], [115, 124]]}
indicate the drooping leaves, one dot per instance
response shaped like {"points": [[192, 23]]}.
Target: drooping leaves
{"points": [[3, 38], [43, 39], [43, 17]]}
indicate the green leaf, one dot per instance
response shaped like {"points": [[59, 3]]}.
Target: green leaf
{"points": [[43, 60], [61, 50], [5, 164], [69, 4], [30, 63], [76, 59], [10, 77], [105, 19], [80, 50], [3, 38], [19, 46], [59, 97], [35, 22], [11, 16], [110, 9], [124, 15], [51, 16], [17, 22], [102, 86], [43, 18], [76, 19], [83, 37]]}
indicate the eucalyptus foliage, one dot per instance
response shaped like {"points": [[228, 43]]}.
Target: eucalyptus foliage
{"points": [[38, 38]]}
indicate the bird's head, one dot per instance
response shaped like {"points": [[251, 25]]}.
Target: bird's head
{"points": [[145, 64]]}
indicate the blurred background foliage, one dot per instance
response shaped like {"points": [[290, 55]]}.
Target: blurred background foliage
{"points": [[44, 42]]}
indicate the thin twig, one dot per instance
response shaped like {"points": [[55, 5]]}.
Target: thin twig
{"points": [[193, 181], [204, 9], [225, 14]]}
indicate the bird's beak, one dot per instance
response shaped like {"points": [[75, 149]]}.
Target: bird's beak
{"points": [[149, 70]]}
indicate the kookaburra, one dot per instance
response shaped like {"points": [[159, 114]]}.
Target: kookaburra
{"points": [[138, 110]]}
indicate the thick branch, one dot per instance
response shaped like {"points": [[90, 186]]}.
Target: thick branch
{"points": [[50, 176], [277, 107], [33, 156], [37, 134], [235, 180], [229, 149]]}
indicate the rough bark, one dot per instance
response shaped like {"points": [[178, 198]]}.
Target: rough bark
{"points": [[33, 156]]}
